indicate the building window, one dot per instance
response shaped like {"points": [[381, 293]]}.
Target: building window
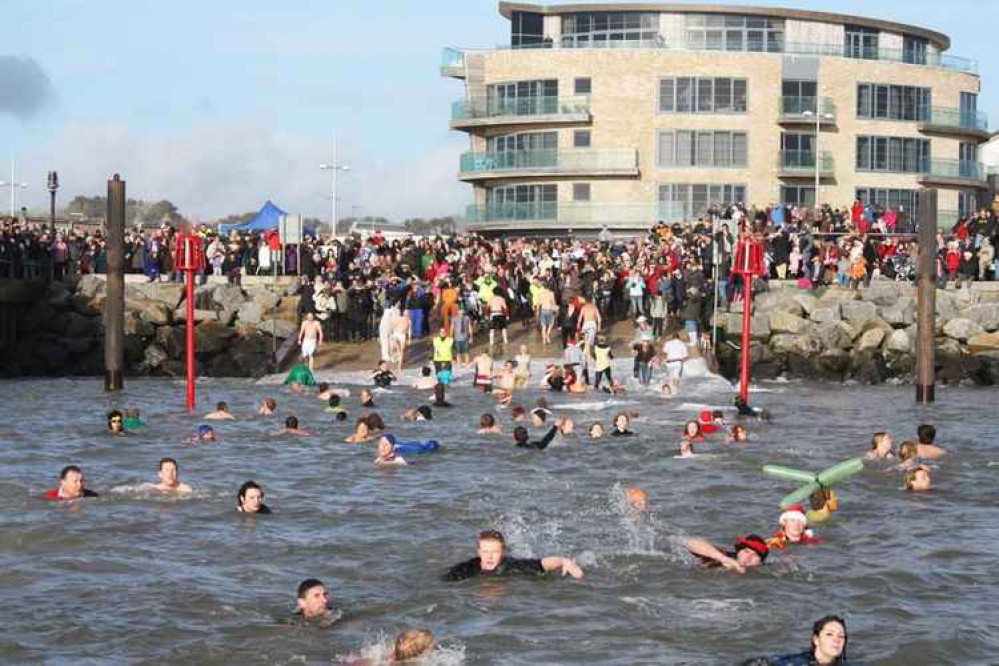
{"points": [[798, 195], [969, 110], [890, 102], [891, 153], [583, 86], [861, 43], [581, 139], [601, 29], [702, 95], [683, 201], [797, 150], [967, 203], [523, 141], [914, 50], [522, 202], [705, 148], [527, 29], [580, 191], [899, 200], [730, 32], [523, 97], [798, 96]]}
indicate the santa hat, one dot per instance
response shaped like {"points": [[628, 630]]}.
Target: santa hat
{"points": [[793, 512]]}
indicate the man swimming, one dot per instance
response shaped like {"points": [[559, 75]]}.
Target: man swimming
{"points": [[291, 428], [483, 371], [387, 457], [492, 561], [71, 486], [267, 407], [750, 551], [313, 599], [918, 479], [116, 423], [250, 499], [926, 448], [169, 473], [221, 413]]}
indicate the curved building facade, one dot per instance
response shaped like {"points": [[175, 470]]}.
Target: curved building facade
{"points": [[624, 114]]}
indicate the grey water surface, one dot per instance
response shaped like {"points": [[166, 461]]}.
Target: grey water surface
{"points": [[132, 577]]}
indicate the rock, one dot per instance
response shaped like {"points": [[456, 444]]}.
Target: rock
{"points": [[79, 326], [212, 337], [180, 315], [134, 349], [859, 327], [228, 297], [760, 325], [868, 366], [900, 313], [983, 343], [989, 372], [204, 298], [137, 326], [248, 357], [834, 363], [778, 301], [782, 343], [826, 312], [858, 310], [245, 330], [805, 299], [834, 335], [871, 339], [227, 316], [948, 363], [264, 297], [155, 312], [287, 309], [784, 322], [946, 305], [883, 292], [838, 295], [91, 286], [41, 317], [173, 340], [985, 314], [962, 329], [154, 356], [85, 305], [899, 343], [278, 328], [170, 293]]}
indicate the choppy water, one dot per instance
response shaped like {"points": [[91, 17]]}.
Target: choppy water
{"points": [[130, 578]]}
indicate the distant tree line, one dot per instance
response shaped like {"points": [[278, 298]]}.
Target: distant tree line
{"points": [[136, 210]]}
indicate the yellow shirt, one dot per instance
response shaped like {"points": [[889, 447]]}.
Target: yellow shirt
{"points": [[825, 513], [443, 349]]}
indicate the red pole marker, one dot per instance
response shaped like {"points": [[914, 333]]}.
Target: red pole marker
{"points": [[189, 258], [748, 262]]}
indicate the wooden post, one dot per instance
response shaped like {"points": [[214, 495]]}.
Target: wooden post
{"points": [[114, 307], [926, 295]]}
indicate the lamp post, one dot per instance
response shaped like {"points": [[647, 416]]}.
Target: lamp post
{"points": [[13, 185], [53, 185], [819, 116], [334, 167]]}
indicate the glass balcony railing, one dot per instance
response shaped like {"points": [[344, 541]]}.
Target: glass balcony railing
{"points": [[804, 161], [452, 60], [804, 107], [941, 60], [949, 117], [944, 168], [555, 161], [523, 106], [569, 214]]}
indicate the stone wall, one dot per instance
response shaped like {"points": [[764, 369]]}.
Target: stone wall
{"points": [[62, 334], [867, 335]]}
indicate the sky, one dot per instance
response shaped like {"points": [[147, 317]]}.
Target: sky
{"points": [[221, 105]]}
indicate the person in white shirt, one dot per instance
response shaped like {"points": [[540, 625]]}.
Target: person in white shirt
{"points": [[674, 355]]}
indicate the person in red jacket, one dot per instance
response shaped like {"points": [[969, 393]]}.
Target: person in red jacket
{"points": [[71, 486], [710, 422], [793, 530]]}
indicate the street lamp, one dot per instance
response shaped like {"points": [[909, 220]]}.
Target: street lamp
{"points": [[13, 185], [334, 167], [819, 117], [53, 185]]}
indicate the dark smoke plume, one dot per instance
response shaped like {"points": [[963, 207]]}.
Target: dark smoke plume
{"points": [[24, 87]]}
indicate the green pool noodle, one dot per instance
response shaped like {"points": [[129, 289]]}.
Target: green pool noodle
{"points": [[799, 495], [837, 473], [788, 473]]}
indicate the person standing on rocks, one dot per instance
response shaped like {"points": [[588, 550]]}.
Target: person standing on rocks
{"points": [[310, 336]]}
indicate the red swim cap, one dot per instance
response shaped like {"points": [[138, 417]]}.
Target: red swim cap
{"points": [[754, 543]]}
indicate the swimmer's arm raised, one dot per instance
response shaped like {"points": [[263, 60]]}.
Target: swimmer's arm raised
{"points": [[547, 439], [563, 564], [705, 549]]}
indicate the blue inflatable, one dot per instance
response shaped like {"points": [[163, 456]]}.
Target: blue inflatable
{"points": [[415, 446]]}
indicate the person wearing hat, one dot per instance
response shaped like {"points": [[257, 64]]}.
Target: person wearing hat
{"points": [[602, 355], [793, 529], [750, 551]]}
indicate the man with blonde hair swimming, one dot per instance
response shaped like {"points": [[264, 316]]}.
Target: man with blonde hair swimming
{"points": [[492, 561]]}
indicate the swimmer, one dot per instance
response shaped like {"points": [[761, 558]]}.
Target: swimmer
{"points": [[566, 426], [362, 433], [882, 447], [386, 453], [267, 407], [488, 425], [483, 378], [492, 560], [919, 479], [738, 434], [169, 473], [382, 376], [291, 428], [340, 416], [823, 502], [374, 421], [205, 433], [523, 361], [333, 406], [505, 398], [518, 413], [828, 647], [908, 455], [116, 423], [367, 398], [522, 440], [426, 380], [440, 399], [692, 432], [132, 418], [793, 530], [596, 431], [538, 416], [297, 388], [326, 392], [686, 449], [313, 599], [221, 413], [421, 413], [506, 379], [750, 551], [927, 449], [710, 421], [412, 644], [71, 486], [621, 422], [250, 499], [637, 499]]}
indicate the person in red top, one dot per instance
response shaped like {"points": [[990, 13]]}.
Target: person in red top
{"points": [[708, 423], [793, 530], [71, 486]]}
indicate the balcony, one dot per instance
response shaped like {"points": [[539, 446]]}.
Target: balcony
{"points": [[953, 173], [801, 111], [569, 217], [522, 111], [971, 124], [540, 163], [801, 164], [453, 63]]}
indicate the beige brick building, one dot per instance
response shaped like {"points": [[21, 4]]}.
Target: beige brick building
{"points": [[622, 114]]}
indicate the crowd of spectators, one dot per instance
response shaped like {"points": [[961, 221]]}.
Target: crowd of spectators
{"points": [[667, 273]]}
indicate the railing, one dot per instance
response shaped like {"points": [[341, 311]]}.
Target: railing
{"points": [[950, 117], [944, 168], [452, 59], [553, 160], [805, 107], [27, 269], [522, 106], [941, 60], [804, 161], [576, 213]]}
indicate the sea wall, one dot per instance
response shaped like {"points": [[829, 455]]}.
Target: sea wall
{"points": [[867, 335], [62, 333]]}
